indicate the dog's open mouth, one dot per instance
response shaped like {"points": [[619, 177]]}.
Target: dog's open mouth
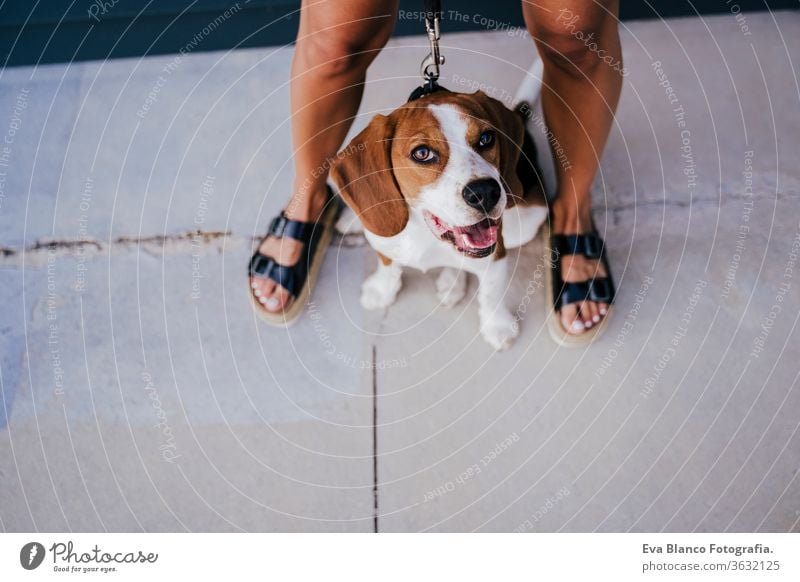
{"points": [[476, 240]]}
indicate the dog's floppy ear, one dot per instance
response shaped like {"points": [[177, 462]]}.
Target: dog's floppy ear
{"points": [[510, 133], [363, 173]]}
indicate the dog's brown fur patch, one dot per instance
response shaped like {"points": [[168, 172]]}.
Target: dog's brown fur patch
{"points": [[417, 126]]}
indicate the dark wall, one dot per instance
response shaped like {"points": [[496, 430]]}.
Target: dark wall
{"points": [[63, 30]]}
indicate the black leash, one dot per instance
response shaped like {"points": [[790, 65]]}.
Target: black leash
{"points": [[430, 65]]}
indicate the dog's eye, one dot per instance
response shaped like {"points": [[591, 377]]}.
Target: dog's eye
{"points": [[486, 139], [422, 154]]}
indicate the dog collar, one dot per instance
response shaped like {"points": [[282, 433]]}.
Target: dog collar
{"points": [[430, 86]]}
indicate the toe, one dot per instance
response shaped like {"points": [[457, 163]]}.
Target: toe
{"points": [[571, 321], [586, 315], [266, 289], [594, 311], [602, 309], [257, 287], [279, 299], [272, 304]]}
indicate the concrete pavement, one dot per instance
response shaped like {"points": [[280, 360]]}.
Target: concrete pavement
{"points": [[140, 393]]}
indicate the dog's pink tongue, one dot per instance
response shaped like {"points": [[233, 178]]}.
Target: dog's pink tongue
{"points": [[476, 236]]}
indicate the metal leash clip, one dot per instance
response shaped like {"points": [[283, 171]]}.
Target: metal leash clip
{"points": [[430, 64]]}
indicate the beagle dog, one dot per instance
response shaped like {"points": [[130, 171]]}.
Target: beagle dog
{"points": [[447, 180]]}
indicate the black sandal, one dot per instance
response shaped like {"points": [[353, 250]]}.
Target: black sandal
{"points": [[560, 293], [297, 279]]}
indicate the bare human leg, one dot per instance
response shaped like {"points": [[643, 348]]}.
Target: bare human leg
{"points": [[336, 42], [579, 44]]}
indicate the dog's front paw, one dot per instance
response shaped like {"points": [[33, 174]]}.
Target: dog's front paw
{"points": [[380, 290], [451, 286], [500, 329]]}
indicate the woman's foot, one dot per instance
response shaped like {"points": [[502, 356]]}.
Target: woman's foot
{"points": [[286, 251], [578, 318]]}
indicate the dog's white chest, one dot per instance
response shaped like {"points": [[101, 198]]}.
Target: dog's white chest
{"points": [[416, 247]]}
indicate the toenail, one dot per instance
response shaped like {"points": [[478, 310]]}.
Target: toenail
{"points": [[588, 324], [256, 292], [596, 318], [603, 311], [577, 326], [272, 303], [263, 300], [254, 285]]}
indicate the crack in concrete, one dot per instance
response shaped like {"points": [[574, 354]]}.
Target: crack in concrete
{"points": [[80, 243], [43, 250], [189, 242]]}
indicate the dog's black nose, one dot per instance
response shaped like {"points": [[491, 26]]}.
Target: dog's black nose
{"points": [[482, 194]]}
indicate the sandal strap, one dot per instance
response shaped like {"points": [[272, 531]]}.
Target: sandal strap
{"points": [[589, 245], [599, 290], [282, 226], [290, 277]]}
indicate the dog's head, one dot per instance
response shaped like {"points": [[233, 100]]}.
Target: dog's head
{"points": [[450, 156]]}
